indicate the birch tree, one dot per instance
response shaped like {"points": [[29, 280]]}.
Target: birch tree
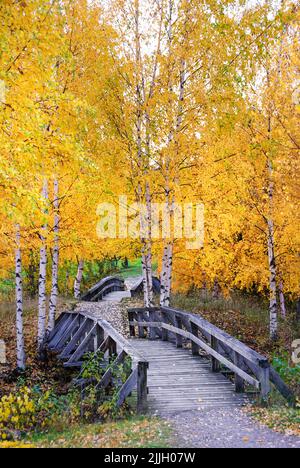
{"points": [[42, 304], [78, 279], [19, 302], [55, 260]]}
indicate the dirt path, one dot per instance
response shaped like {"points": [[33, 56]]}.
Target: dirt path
{"points": [[225, 428]]}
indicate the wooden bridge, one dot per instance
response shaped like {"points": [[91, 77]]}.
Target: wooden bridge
{"points": [[179, 361]]}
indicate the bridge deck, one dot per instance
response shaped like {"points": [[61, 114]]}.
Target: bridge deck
{"points": [[178, 381]]}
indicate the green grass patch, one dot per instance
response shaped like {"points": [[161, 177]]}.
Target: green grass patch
{"points": [[279, 418], [136, 432]]}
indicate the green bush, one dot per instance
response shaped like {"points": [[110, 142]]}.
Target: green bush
{"points": [[289, 373]]}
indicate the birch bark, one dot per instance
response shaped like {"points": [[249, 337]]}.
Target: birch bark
{"points": [[55, 261], [271, 245], [145, 229], [282, 300], [78, 280], [21, 358], [167, 261], [42, 316]]}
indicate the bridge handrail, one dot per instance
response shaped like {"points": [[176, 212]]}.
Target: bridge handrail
{"points": [[223, 336], [77, 333], [247, 365], [103, 286]]}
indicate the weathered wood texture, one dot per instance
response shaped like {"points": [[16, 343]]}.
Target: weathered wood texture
{"points": [[182, 328], [139, 286], [103, 288], [76, 334], [177, 381]]}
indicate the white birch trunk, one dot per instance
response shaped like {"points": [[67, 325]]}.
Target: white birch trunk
{"points": [[42, 317], [272, 284], [149, 246], [145, 276], [78, 280], [55, 261], [271, 245], [169, 269], [163, 276], [282, 300], [21, 359]]}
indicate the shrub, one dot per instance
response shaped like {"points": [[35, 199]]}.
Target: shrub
{"points": [[28, 410], [290, 374]]}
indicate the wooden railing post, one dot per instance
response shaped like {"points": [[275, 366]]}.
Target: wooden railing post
{"points": [[215, 364], [195, 347], [152, 318], [264, 378], [239, 382], [142, 333], [142, 390], [131, 317], [179, 339], [165, 336]]}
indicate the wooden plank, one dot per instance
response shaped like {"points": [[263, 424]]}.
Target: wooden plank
{"points": [[131, 317], [72, 344], [83, 346], [104, 346], [128, 387], [99, 338], [95, 290], [238, 381], [195, 346], [154, 331], [63, 337], [215, 364], [112, 287], [220, 358], [58, 324], [142, 386], [179, 340], [281, 386], [224, 337], [120, 340], [106, 379], [61, 329]]}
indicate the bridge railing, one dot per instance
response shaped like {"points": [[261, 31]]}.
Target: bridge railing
{"points": [[182, 328], [76, 334], [102, 288]]}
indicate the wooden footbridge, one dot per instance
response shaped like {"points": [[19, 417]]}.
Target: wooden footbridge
{"points": [[179, 361]]}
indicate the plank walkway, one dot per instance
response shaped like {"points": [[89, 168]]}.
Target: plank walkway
{"points": [[178, 381], [116, 296]]}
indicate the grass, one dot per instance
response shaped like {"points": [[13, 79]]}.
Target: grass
{"points": [[280, 418], [136, 432], [134, 269]]}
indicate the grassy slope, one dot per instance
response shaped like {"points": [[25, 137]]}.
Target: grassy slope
{"points": [[137, 432]]}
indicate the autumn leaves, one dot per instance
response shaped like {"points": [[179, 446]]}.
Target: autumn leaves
{"points": [[165, 102]]}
